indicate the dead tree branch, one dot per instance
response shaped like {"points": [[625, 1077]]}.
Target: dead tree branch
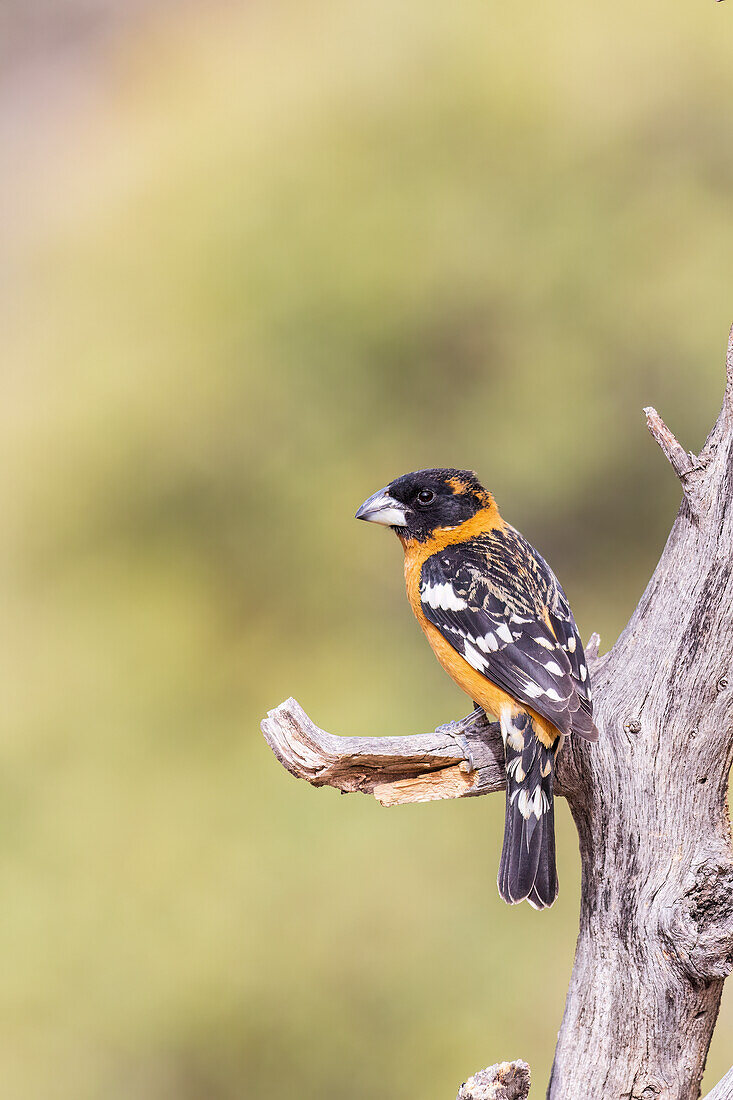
{"points": [[505, 1081], [460, 759], [682, 461], [724, 1089], [649, 800]]}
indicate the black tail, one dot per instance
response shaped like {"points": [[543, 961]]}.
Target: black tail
{"points": [[527, 868]]}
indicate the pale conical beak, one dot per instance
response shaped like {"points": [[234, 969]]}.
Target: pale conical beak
{"points": [[384, 509]]}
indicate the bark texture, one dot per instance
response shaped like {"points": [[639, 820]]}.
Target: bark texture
{"points": [[506, 1081], [649, 800]]}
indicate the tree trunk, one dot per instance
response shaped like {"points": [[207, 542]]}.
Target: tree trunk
{"points": [[649, 801]]}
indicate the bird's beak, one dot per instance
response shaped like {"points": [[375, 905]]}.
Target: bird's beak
{"points": [[384, 509]]}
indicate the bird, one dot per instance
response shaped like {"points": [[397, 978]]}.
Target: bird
{"points": [[500, 624]]}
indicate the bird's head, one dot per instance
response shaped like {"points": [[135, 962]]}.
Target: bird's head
{"points": [[418, 505]]}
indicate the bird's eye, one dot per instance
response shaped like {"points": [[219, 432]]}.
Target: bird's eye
{"points": [[425, 496]]}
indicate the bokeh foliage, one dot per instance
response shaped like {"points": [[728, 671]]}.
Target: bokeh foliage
{"points": [[284, 253]]}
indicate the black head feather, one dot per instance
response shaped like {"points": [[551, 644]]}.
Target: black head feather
{"points": [[436, 499]]}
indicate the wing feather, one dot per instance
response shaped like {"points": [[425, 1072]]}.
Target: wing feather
{"points": [[489, 598]]}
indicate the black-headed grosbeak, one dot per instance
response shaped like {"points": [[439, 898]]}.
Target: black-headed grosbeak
{"points": [[501, 626]]}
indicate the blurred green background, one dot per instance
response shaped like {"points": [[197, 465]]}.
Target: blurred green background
{"points": [[258, 259]]}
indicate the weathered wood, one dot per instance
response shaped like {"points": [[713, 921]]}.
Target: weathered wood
{"points": [[656, 919], [505, 1081], [655, 941], [724, 1089], [459, 759], [682, 461]]}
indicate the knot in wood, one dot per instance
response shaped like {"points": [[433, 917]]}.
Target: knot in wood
{"points": [[722, 683], [632, 725], [699, 931], [649, 1092]]}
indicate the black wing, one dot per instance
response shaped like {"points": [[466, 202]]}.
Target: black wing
{"points": [[566, 632], [497, 602]]}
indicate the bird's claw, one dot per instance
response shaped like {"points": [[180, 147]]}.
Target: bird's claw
{"points": [[466, 765]]}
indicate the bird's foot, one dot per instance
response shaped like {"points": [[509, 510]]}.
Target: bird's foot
{"points": [[467, 764]]}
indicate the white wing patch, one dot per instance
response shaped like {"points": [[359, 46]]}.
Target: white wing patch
{"points": [[473, 657], [443, 596], [573, 646]]}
